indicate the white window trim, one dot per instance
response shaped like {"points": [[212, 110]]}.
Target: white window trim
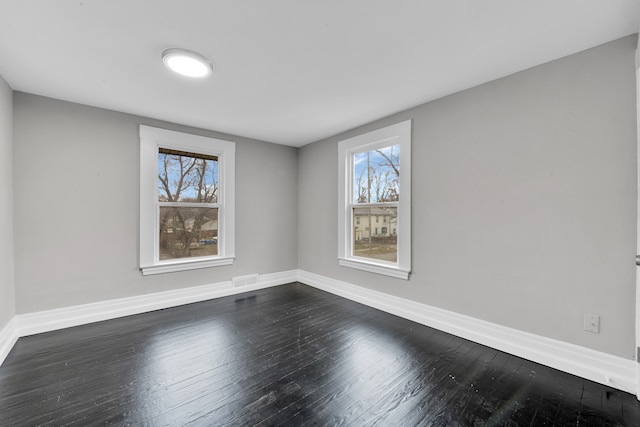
{"points": [[399, 133], [151, 139]]}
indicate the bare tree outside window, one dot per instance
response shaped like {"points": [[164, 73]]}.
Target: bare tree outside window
{"points": [[376, 192], [376, 175], [187, 198]]}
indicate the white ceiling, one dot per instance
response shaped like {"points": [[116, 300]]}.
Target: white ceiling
{"points": [[289, 71]]}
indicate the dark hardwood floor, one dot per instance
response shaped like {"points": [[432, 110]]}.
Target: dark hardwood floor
{"points": [[290, 355]]}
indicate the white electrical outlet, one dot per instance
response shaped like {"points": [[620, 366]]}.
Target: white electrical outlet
{"points": [[592, 323]]}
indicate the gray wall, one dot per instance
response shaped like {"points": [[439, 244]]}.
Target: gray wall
{"points": [[7, 284], [76, 207], [524, 201]]}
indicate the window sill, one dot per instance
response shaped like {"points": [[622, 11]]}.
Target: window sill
{"points": [[374, 268], [185, 265]]}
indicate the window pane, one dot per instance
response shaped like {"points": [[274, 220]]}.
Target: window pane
{"points": [[380, 241], [188, 232], [375, 175], [187, 177]]}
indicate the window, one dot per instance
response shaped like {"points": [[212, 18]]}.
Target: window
{"points": [[375, 181], [186, 201]]}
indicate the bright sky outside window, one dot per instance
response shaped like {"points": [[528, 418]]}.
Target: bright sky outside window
{"points": [[376, 175]]}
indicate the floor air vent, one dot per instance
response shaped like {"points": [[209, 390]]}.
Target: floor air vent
{"points": [[239, 281]]}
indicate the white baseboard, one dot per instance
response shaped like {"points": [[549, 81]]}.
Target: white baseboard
{"points": [[50, 320], [22, 325], [603, 368], [8, 338]]}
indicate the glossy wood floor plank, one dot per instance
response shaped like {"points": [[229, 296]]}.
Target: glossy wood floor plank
{"points": [[289, 355]]}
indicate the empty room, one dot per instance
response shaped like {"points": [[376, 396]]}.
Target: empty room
{"points": [[356, 213]]}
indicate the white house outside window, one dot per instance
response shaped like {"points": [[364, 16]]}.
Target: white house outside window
{"points": [[186, 201], [375, 183]]}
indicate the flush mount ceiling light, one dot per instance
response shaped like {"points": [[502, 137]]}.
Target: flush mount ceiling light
{"points": [[187, 63]]}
